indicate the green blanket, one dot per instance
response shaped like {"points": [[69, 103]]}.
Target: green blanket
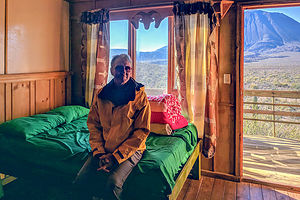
{"points": [[155, 175], [56, 143]]}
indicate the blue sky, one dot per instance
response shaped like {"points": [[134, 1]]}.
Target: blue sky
{"points": [[147, 40], [293, 12], [119, 34]]}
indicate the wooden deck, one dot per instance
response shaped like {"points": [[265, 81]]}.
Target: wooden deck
{"points": [[272, 159], [217, 189]]}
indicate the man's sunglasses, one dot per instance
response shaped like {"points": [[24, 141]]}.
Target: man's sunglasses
{"points": [[122, 67]]}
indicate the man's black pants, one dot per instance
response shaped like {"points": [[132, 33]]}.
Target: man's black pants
{"points": [[108, 186]]}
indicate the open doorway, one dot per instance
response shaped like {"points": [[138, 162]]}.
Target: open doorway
{"points": [[271, 101]]}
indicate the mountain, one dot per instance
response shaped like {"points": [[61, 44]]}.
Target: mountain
{"points": [[159, 56], [267, 34], [117, 52]]}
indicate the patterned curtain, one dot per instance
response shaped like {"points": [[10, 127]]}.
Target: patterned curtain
{"points": [[211, 109], [95, 70], [193, 23]]}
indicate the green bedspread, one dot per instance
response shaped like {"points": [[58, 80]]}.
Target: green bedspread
{"points": [[57, 142], [155, 175]]}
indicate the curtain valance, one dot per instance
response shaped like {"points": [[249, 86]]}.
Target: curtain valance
{"points": [[181, 9], [95, 17]]}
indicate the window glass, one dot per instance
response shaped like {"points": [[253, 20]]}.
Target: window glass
{"points": [[118, 40], [152, 57]]}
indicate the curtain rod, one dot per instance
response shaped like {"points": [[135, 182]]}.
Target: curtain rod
{"points": [[132, 8]]}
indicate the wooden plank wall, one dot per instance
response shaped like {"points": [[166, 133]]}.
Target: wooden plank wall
{"points": [[28, 94], [2, 35]]}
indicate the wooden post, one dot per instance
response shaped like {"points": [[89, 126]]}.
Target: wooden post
{"points": [[132, 47], [273, 116]]}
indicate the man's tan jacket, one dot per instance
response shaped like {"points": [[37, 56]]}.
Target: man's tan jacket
{"points": [[120, 130]]}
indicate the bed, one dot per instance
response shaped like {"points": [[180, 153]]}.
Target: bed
{"points": [[54, 145]]}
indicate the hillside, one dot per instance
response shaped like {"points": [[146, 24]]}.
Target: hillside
{"points": [[271, 35]]}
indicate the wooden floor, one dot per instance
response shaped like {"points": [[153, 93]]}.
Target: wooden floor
{"points": [[272, 160], [217, 189]]}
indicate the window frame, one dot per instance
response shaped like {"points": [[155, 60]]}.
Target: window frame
{"points": [[165, 11]]}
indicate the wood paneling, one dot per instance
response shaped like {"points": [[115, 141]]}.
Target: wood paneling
{"points": [[2, 35], [32, 97], [2, 100], [28, 94], [206, 163], [224, 160], [76, 38], [76, 10], [52, 93], [42, 97], [60, 92], [266, 2], [224, 157], [8, 102], [20, 99], [112, 4], [35, 36], [64, 36]]}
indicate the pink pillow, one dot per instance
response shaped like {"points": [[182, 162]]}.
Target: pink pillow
{"points": [[166, 109]]}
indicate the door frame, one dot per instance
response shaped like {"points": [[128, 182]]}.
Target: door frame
{"points": [[241, 7]]}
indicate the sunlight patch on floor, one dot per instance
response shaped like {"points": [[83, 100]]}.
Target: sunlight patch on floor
{"points": [[272, 160]]}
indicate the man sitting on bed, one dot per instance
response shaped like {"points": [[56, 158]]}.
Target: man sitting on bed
{"points": [[119, 124]]}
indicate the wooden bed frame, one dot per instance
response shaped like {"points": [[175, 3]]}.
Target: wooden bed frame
{"points": [[23, 95], [192, 165], [28, 94]]}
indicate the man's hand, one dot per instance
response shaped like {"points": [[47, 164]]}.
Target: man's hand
{"points": [[107, 162]]}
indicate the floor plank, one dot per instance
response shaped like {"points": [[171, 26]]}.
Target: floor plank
{"points": [[255, 192], [193, 189], [218, 190], [230, 190], [268, 193], [243, 191], [206, 188], [281, 195], [184, 189]]}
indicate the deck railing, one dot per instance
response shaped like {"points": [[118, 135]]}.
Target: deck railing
{"points": [[276, 106]]}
